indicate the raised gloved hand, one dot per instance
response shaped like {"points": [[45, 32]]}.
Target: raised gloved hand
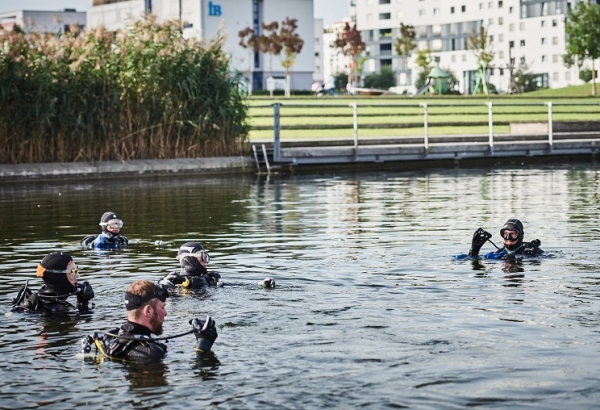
{"points": [[532, 247], [85, 291], [86, 344], [205, 332], [84, 294], [479, 238]]}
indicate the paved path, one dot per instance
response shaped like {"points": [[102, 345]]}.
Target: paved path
{"points": [[222, 165]]}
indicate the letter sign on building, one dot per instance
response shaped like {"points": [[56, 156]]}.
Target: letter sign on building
{"points": [[214, 9]]}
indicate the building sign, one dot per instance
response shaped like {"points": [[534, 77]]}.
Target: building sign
{"points": [[214, 9]]}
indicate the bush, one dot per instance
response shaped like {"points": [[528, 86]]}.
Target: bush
{"points": [[586, 75], [143, 92], [340, 81], [383, 80]]}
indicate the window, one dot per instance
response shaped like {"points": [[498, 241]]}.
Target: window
{"points": [[464, 57], [511, 44], [545, 8], [385, 1], [500, 55], [500, 38], [480, 6], [543, 41], [463, 8], [490, 4], [451, 10], [555, 58], [568, 76], [500, 4], [554, 23], [554, 41], [522, 43], [385, 33], [385, 49], [500, 21], [501, 71], [421, 12], [555, 76], [522, 60], [511, 27], [385, 16], [510, 10], [453, 59], [491, 21], [491, 39], [543, 23], [316, 54], [436, 11], [543, 59], [522, 26], [386, 62]]}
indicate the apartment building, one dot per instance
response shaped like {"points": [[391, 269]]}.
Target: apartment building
{"points": [[528, 31], [206, 18], [59, 21]]}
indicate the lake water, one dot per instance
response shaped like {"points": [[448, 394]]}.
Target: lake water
{"points": [[370, 308]]}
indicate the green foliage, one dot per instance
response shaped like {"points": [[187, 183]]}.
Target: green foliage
{"points": [[452, 82], [144, 92], [582, 32], [405, 44], [382, 81], [340, 81], [479, 45], [525, 80], [424, 60], [586, 75], [421, 79]]}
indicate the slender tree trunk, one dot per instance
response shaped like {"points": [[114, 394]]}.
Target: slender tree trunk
{"points": [[271, 75]]}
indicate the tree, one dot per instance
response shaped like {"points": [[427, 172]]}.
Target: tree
{"points": [[423, 61], [249, 40], [480, 46], [350, 44], [292, 45], [383, 81], [582, 32], [270, 44], [405, 44]]}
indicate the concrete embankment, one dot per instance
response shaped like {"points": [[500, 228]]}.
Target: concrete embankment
{"points": [[218, 165]]}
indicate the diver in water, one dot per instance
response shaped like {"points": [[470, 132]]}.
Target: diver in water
{"points": [[109, 238], [193, 274], [512, 237], [145, 302], [59, 273]]}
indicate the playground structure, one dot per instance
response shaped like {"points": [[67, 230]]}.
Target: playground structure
{"points": [[437, 82]]}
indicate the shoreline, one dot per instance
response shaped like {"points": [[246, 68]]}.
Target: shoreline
{"points": [[150, 167]]}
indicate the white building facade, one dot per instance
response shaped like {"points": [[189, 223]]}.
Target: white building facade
{"points": [[55, 22], [207, 18], [529, 31]]}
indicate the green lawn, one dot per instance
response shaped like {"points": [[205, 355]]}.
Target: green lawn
{"points": [[447, 115]]}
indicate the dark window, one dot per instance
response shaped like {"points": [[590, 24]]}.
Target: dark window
{"points": [[385, 16], [385, 49], [386, 62], [463, 8], [451, 10], [385, 33], [385, 1]]}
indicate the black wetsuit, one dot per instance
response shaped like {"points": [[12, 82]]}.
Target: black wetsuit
{"points": [[137, 346], [48, 301], [196, 279]]}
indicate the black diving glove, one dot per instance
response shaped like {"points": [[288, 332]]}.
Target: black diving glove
{"points": [[171, 280], [532, 247], [206, 333], [84, 294], [480, 237]]}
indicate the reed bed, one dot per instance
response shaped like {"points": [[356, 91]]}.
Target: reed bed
{"points": [[140, 93]]}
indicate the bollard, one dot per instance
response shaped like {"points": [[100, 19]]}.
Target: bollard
{"points": [[426, 136], [550, 137], [276, 132], [355, 124], [491, 127]]}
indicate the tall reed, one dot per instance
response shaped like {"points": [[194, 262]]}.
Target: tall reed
{"points": [[139, 93]]}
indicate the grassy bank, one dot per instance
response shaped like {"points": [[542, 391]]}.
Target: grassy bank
{"points": [[330, 117]]}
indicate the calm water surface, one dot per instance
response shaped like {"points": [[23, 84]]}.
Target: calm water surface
{"points": [[370, 310]]}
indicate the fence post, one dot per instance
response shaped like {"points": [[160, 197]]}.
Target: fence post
{"points": [[491, 127], [355, 125], [276, 132], [426, 136], [550, 137]]}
